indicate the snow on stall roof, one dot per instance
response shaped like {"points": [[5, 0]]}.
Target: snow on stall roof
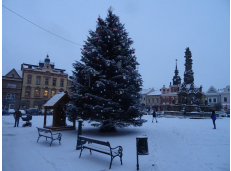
{"points": [[54, 99]]}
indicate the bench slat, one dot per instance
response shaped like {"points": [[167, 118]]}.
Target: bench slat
{"points": [[95, 141], [101, 148]]}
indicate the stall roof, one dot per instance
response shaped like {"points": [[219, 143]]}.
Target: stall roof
{"points": [[54, 99]]}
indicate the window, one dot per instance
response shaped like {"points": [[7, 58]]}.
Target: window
{"points": [[144, 98], [29, 80], [45, 93], [54, 83], [36, 93], [210, 100], [10, 96], [148, 100], [28, 91], [152, 100], [38, 80], [46, 81], [225, 99], [11, 85], [52, 93], [61, 83], [12, 75], [157, 100], [214, 100]]}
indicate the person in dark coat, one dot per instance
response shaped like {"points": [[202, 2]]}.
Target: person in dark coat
{"points": [[17, 115], [213, 116], [185, 113], [154, 116]]}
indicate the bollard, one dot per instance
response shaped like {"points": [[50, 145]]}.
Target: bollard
{"points": [[78, 146]]}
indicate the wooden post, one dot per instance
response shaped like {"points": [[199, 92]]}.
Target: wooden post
{"points": [[45, 118], [54, 118]]}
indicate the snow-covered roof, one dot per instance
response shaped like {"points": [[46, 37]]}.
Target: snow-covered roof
{"points": [[154, 93], [54, 99], [19, 72], [145, 91], [212, 90]]}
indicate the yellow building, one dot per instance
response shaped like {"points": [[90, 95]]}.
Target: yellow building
{"points": [[40, 83]]}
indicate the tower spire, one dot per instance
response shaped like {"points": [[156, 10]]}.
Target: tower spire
{"points": [[176, 79]]}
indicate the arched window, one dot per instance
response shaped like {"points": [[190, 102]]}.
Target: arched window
{"points": [[27, 91], [53, 92], [37, 92], [45, 93]]}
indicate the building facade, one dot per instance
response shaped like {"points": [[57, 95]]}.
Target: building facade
{"points": [[218, 99], [225, 98], [169, 95], [153, 100], [41, 82], [11, 90], [213, 98], [143, 96]]}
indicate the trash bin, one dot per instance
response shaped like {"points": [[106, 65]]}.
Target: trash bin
{"points": [[142, 145]]}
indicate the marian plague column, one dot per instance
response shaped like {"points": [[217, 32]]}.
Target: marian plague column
{"points": [[189, 95]]}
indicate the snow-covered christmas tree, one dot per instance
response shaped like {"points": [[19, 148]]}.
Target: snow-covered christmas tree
{"points": [[106, 83]]}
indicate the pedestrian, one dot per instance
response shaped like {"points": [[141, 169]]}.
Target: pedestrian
{"points": [[154, 116], [17, 115], [185, 113], [213, 116]]}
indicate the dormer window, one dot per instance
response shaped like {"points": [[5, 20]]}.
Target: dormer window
{"points": [[12, 75]]}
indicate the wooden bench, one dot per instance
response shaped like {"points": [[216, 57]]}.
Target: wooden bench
{"points": [[100, 146], [48, 134], [196, 115]]}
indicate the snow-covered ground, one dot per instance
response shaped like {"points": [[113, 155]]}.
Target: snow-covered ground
{"points": [[174, 144]]}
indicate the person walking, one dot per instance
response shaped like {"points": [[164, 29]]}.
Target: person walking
{"points": [[17, 115], [185, 113], [213, 116], [154, 116]]}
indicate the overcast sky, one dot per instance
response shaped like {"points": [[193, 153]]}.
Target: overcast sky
{"points": [[161, 31]]}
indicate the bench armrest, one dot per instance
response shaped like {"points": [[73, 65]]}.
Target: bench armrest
{"points": [[59, 134], [119, 150]]}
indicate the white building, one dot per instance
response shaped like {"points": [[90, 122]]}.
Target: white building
{"points": [[225, 98]]}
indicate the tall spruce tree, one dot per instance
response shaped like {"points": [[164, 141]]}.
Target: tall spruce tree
{"points": [[106, 83]]}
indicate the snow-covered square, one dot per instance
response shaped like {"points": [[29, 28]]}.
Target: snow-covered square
{"points": [[174, 143]]}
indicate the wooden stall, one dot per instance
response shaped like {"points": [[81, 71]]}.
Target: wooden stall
{"points": [[58, 104]]}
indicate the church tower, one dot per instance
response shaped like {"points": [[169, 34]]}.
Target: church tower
{"points": [[176, 79]]}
